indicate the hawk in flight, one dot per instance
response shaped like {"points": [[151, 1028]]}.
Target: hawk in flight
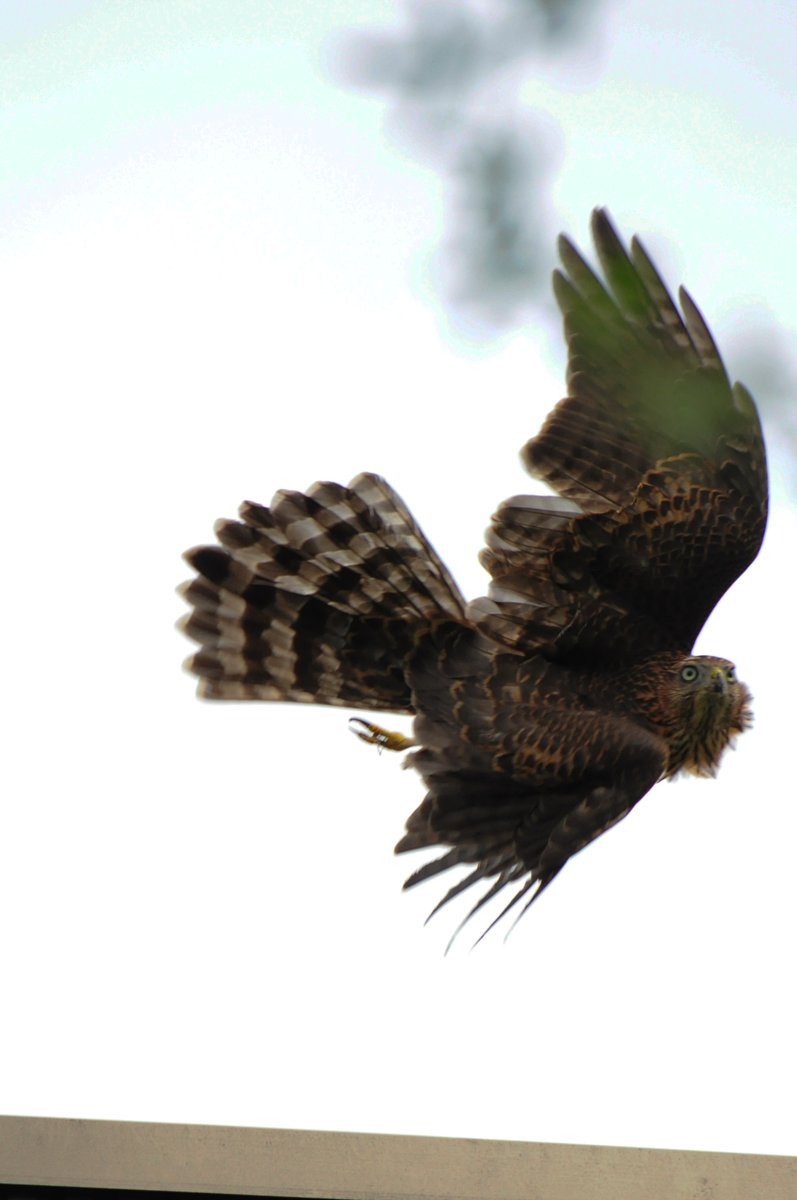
{"points": [[545, 710]]}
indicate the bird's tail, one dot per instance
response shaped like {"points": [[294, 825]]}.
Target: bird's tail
{"points": [[317, 599]]}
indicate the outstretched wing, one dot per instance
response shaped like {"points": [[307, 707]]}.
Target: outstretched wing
{"points": [[660, 470]]}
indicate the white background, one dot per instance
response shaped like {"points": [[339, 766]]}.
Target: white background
{"points": [[214, 284]]}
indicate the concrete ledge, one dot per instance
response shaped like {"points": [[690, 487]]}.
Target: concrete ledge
{"points": [[291, 1162]]}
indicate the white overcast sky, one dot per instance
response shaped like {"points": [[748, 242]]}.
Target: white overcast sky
{"points": [[214, 285]]}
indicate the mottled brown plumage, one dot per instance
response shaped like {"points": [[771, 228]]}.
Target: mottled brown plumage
{"points": [[546, 710]]}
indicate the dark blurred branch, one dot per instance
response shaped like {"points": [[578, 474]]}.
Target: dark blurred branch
{"points": [[453, 70], [494, 261]]}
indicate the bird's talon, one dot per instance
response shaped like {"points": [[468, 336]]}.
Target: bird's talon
{"points": [[375, 735]]}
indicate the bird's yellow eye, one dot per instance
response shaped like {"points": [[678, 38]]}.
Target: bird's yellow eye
{"points": [[689, 673], [730, 675]]}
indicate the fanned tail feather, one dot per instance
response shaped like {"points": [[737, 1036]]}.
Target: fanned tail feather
{"points": [[316, 599]]}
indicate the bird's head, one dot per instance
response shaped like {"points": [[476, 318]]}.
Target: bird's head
{"points": [[713, 708]]}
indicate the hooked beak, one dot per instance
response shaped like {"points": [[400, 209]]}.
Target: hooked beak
{"points": [[719, 683]]}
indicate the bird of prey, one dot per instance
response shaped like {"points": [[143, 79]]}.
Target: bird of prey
{"points": [[545, 710]]}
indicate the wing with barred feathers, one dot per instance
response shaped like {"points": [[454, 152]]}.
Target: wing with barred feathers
{"points": [[660, 470]]}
